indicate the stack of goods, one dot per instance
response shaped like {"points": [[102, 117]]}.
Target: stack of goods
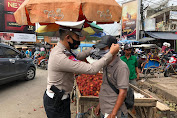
{"points": [[89, 85]]}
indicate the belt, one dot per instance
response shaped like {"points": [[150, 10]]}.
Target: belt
{"points": [[51, 95]]}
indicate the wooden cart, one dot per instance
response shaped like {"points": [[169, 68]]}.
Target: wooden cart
{"points": [[145, 107]]}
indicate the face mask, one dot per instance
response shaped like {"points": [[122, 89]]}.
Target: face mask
{"points": [[97, 53], [73, 45], [103, 52]]}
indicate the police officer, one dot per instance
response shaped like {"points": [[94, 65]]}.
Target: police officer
{"points": [[61, 71]]}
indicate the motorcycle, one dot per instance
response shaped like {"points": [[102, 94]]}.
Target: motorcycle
{"points": [[43, 64], [171, 67]]}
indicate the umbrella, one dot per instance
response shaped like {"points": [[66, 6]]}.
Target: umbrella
{"points": [[50, 29], [50, 11], [92, 29], [99, 35]]}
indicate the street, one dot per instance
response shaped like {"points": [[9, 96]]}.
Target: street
{"points": [[23, 99]]}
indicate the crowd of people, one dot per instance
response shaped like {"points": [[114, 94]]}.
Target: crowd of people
{"points": [[36, 53]]}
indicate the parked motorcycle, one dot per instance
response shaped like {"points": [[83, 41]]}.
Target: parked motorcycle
{"points": [[43, 64], [171, 67]]}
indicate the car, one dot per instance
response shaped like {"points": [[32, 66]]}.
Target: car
{"points": [[15, 65]]}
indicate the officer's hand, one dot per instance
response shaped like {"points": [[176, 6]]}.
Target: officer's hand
{"points": [[114, 49]]}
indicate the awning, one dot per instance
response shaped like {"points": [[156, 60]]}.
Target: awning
{"points": [[146, 39], [163, 35], [23, 46]]}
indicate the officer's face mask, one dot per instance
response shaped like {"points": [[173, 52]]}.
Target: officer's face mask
{"points": [[75, 44]]}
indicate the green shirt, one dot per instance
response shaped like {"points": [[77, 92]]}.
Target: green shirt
{"points": [[42, 53], [131, 63]]}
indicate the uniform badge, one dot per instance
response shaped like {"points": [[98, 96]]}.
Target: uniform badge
{"points": [[66, 52], [109, 75]]}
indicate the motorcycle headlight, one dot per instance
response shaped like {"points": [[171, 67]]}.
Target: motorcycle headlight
{"points": [[171, 60]]}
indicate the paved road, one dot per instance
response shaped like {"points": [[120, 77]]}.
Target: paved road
{"points": [[23, 99]]}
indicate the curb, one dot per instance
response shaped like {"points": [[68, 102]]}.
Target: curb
{"points": [[157, 89]]}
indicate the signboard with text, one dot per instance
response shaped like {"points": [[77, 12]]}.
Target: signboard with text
{"points": [[149, 24], [129, 18], [173, 15], [7, 20], [18, 37]]}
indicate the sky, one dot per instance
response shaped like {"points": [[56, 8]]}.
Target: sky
{"points": [[152, 3]]}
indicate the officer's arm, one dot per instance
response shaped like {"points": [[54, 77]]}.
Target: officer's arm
{"points": [[81, 67], [82, 55]]}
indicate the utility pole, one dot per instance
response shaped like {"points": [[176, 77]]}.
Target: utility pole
{"points": [[138, 20], [142, 15], [141, 19]]}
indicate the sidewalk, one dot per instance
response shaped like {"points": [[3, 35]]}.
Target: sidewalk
{"points": [[166, 87]]}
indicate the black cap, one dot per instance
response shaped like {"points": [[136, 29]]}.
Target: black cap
{"points": [[106, 41], [127, 46]]}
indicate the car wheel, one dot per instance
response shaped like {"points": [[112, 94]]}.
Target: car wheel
{"points": [[30, 73]]}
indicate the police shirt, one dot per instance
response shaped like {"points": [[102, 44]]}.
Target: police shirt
{"points": [[61, 69]]}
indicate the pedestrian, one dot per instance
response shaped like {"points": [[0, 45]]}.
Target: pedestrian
{"points": [[28, 53], [42, 55], [61, 70], [23, 50], [37, 51], [132, 64], [112, 104]]}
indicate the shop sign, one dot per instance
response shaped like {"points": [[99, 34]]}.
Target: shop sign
{"points": [[149, 24], [17, 37], [7, 19], [173, 15], [129, 18]]}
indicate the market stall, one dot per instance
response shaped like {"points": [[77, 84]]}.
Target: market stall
{"points": [[144, 103]]}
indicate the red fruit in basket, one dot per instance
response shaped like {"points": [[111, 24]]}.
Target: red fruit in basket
{"points": [[95, 94], [94, 88], [96, 83], [91, 88], [89, 84], [91, 92]]}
